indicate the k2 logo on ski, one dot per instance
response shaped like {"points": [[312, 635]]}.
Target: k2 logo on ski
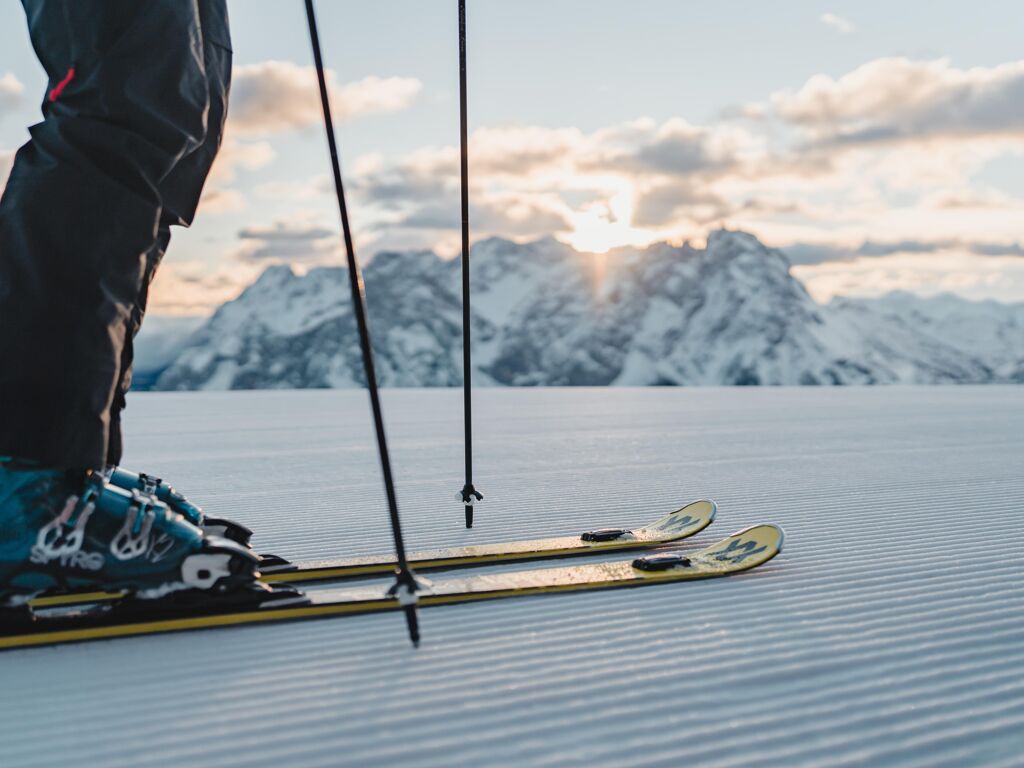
{"points": [[677, 525], [738, 551]]}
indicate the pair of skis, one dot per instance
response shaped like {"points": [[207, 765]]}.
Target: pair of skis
{"points": [[682, 523], [68, 618]]}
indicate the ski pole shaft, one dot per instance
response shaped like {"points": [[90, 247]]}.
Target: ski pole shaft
{"points": [[469, 493], [404, 576]]}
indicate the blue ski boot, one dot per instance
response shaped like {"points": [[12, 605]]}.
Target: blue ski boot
{"points": [[64, 530], [156, 488]]}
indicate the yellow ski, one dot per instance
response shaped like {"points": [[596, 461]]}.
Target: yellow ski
{"points": [[741, 551]]}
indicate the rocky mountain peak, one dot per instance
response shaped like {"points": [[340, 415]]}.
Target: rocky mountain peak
{"points": [[543, 314]]}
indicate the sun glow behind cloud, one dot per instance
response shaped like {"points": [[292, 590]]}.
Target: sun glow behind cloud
{"points": [[600, 226]]}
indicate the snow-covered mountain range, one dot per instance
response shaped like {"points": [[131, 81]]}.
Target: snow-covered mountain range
{"points": [[544, 314]]}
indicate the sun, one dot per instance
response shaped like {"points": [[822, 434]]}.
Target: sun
{"points": [[606, 224]]}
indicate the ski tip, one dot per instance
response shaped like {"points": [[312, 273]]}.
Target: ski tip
{"points": [[765, 532], [685, 521], [704, 508], [709, 507], [748, 547]]}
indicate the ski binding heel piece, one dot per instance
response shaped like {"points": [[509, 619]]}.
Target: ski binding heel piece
{"points": [[221, 566]]}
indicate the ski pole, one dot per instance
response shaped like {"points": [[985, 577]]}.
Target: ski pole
{"points": [[469, 494], [405, 585]]}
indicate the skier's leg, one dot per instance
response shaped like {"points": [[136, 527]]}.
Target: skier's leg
{"points": [[128, 99], [79, 224], [180, 191]]}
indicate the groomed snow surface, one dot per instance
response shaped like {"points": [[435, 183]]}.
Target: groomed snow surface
{"points": [[889, 632]]}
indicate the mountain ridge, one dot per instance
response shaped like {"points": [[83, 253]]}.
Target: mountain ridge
{"points": [[545, 314]]}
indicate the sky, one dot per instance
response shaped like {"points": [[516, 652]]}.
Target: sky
{"points": [[880, 144]]}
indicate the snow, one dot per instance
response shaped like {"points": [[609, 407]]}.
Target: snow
{"points": [[890, 632]]}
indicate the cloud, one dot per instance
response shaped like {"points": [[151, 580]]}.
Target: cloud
{"points": [[838, 23], [663, 204], [675, 148], [533, 181], [235, 155], [819, 253], [816, 253], [307, 189], [518, 215], [520, 150], [880, 163], [194, 288], [510, 214], [217, 200], [975, 199], [631, 183], [245, 155], [422, 190], [424, 176], [288, 241], [898, 100], [278, 96], [642, 147], [952, 271], [281, 232], [997, 249], [11, 91], [869, 248]]}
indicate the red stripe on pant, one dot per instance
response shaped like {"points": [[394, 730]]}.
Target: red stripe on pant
{"points": [[59, 88]]}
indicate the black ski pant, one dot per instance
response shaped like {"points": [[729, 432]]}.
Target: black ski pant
{"points": [[133, 118]]}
